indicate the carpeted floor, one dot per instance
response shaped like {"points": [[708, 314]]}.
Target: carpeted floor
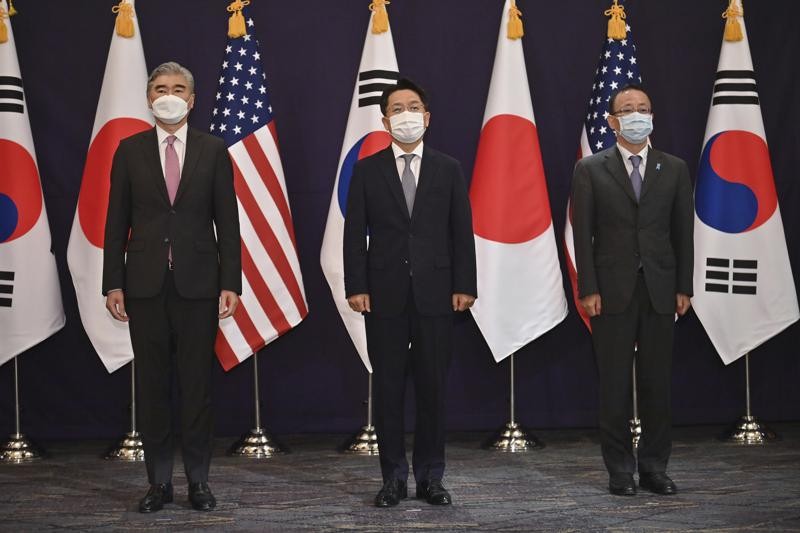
{"points": [[562, 487]]}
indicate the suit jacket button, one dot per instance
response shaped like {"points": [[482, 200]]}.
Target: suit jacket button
{"points": [[171, 211], [166, 239]]}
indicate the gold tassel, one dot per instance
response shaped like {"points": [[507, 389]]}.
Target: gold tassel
{"points": [[11, 10], [236, 26], [124, 23], [733, 30], [3, 29], [515, 30], [380, 18], [616, 24]]}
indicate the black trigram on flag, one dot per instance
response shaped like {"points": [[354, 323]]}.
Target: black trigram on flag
{"points": [[735, 276], [735, 87], [6, 288], [372, 83], [11, 95]]}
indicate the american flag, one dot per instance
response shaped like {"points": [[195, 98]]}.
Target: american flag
{"points": [[618, 66], [273, 298]]}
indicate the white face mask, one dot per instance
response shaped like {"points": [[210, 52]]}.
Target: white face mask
{"points": [[170, 109], [407, 127], [635, 127]]}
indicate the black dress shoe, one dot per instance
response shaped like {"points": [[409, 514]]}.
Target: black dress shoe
{"points": [[391, 493], [657, 482], [156, 497], [621, 484], [200, 497], [433, 492]]}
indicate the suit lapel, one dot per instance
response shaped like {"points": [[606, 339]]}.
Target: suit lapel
{"points": [[655, 161], [389, 168], [190, 158], [427, 171], [150, 148], [617, 169]]}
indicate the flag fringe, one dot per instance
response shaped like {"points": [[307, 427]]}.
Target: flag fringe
{"points": [[733, 30], [380, 18], [3, 29], [236, 25], [124, 22], [616, 24], [515, 29]]}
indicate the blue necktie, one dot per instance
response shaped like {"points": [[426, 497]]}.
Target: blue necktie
{"points": [[636, 176]]}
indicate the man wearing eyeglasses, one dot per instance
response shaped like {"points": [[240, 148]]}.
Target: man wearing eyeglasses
{"points": [[409, 264], [633, 231]]}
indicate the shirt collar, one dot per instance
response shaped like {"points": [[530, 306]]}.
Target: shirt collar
{"points": [[626, 154], [180, 134], [399, 151]]}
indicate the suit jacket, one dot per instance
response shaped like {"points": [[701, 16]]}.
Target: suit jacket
{"points": [[141, 221], [433, 249], [614, 234]]}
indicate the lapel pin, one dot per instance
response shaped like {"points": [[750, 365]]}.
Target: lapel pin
{"points": [[658, 166]]}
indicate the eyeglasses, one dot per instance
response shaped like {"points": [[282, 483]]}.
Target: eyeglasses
{"points": [[399, 108], [628, 110]]}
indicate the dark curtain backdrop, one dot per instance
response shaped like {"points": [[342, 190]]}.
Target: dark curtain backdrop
{"points": [[312, 379]]}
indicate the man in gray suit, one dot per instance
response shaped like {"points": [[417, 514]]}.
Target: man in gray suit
{"points": [[633, 221]]}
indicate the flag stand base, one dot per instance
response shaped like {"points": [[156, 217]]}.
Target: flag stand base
{"points": [[19, 449], [257, 444], [127, 448], [364, 442], [748, 431], [512, 438]]}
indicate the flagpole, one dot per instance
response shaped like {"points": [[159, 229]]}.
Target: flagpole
{"points": [[635, 423], [18, 448], [748, 430], [512, 437], [257, 443], [129, 447], [365, 440]]}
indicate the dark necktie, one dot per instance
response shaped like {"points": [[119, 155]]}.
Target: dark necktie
{"points": [[409, 183], [636, 176]]}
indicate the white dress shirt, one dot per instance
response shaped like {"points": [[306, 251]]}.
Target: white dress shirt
{"points": [[626, 154], [416, 162]]}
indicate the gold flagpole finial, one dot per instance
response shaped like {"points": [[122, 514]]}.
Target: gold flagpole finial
{"points": [[515, 29], [124, 22], [733, 30], [236, 26], [380, 18], [11, 10], [616, 24]]}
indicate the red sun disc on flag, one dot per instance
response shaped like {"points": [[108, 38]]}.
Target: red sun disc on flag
{"points": [[96, 183], [508, 190], [20, 191]]}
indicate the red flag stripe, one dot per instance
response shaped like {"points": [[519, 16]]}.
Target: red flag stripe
{"points": [[264, 296], [268, 239], [267, 175], [225, 353]]}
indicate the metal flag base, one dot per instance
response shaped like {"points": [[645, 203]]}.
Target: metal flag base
{"points": [[749, 431], [257, 444], [127, 448], [18, 449], [364, 442], [513, 438], [636, 431]]}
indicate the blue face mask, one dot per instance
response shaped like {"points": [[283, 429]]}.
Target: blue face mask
{"points": [[635, 127]]}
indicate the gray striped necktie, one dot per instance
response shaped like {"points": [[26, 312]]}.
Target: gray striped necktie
{"points": [[409, 183], [636, 176]]}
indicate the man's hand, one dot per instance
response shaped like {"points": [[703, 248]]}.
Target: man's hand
{"points": [[682, 304], [462, 302], [592, 304], [228, 301], [359, 303], [115, 303]]}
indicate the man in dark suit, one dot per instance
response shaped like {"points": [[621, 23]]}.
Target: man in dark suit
{"points": [[416, 268], [633, 222], [168, 274]]}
